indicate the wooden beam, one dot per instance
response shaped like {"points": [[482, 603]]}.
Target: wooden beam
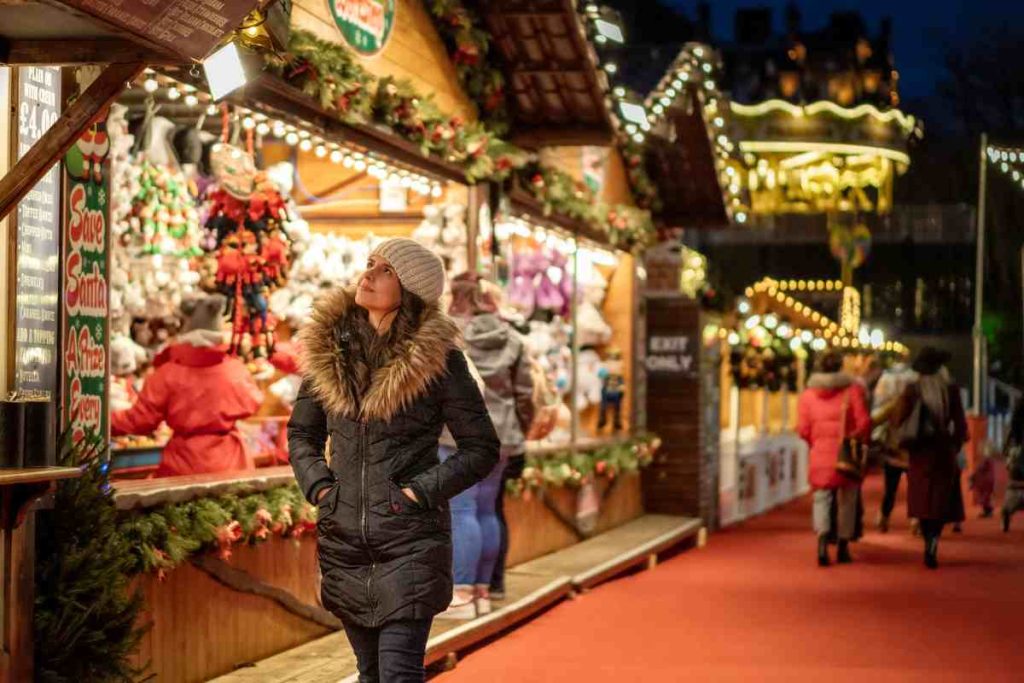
{"points": [[79, 51], [64, 133], [533, 137]]}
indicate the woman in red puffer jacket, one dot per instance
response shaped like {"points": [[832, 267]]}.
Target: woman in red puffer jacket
{"points": [[831, 394], [200, 392]]}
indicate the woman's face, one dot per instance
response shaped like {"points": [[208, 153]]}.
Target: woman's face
{"points": [[378, 288]]}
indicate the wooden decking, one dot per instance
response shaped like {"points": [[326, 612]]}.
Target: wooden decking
{"points": [[532, 588]]}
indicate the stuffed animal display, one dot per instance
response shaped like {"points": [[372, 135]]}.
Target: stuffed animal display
{"points": [[154, 233], [443, 231], [319, 262]]}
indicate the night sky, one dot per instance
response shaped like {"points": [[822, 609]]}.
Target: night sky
{"points": [[920, 27]]}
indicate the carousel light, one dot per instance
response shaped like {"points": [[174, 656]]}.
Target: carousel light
{"points": [[771, 321], [619, 91], [191, 100], [248, 123], [211, 110], [806, 336], [638, 137], [611, 67], [263, 128], [709, 84], [347, 161], [303, 134], [173, 93], [819, 344], [435, 190], [279, 130], [305, 144], [359, 165], [150, 85], [877, 337], [698, 52], [734, 339], [741, 217], [707, 67], [320, 151], [292, 138], [752, 322], [796, 344], [336, 156], [743, 307]]}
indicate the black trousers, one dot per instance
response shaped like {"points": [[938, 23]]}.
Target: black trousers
{"points": [[392, 653], [931, 528], [892, 485], [513, 470]]}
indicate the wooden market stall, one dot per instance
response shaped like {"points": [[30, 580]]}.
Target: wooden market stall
{"points": [[61, 64], [350, 180]]}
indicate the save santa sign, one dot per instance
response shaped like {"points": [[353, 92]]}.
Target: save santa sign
{"points": [[85, 284], [364, 24]]}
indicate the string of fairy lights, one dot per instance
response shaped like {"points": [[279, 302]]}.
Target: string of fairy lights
{"points": [[1009, 161], [699, 66], [265, 126]]}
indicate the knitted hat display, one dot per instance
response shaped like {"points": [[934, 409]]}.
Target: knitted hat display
{"points": [[419, 270]]}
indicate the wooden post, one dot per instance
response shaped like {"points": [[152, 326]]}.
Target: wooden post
{"points": [[64, 133]]}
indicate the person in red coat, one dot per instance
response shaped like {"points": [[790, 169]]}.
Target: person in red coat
{"points": [[830, 396], [200, 392]]}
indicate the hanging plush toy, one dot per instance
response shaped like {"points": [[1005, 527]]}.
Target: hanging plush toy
{"points": [[613, 389], [245, 228]]}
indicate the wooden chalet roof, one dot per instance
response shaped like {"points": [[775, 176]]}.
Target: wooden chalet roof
{"points": [[681, 161], [555, 86]]}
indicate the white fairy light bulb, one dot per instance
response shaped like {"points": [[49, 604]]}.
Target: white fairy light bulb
{"points": [[173, 93], [305, 144], [320, 151], [150, 85], [436, 190], [249, 123], [336, 156], [211, 110], [347, 161], [263, 128], [191, 100], [292, 138], [279, 130]]}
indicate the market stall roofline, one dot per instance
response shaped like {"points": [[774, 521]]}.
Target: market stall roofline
{"points": [[554, 28], [269, 91], [907, 122], [794, 147]]}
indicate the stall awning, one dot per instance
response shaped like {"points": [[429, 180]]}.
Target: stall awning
{"points": [[556, 90]]}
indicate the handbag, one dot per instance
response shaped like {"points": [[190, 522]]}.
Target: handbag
{"points": [[909, 431], [853, 453]]}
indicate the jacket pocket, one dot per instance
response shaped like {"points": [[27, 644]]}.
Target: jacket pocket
{"points": [[326, 505], [401, 504]]}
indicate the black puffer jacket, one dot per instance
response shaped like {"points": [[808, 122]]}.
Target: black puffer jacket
{"points": [[384, 557]]}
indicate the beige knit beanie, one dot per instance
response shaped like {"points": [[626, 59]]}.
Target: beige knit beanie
{"points": [[419, 270]]}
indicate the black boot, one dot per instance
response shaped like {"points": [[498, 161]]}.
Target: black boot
{"points": [[1006, 521], [823, 560], [931, 553], [843, 555]]}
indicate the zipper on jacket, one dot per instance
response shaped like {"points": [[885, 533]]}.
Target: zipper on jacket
{"points": [[363, 522]]}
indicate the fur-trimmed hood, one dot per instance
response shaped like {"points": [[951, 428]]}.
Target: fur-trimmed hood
{"points": [[407, 376], [829, 380]]}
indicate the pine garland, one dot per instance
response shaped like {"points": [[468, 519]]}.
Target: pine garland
{"points": [[165, 537], [572, 470], [86, 620], [627, 227], [329, 73], [470, 50]]}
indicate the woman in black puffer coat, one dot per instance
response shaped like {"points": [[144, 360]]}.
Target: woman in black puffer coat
{"points": [[383, 375]]}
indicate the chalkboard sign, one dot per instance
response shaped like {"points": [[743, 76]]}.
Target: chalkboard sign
{"points": [[191, 28], [37, 287]]}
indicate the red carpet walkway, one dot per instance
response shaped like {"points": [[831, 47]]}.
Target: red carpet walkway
{"points": [[752, 606]]}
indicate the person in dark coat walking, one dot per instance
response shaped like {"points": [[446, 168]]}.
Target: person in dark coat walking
{"points": [[382, 376], [933, 492]]}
